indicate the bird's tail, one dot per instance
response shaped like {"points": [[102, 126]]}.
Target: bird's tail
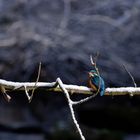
{"points": [[102, 92]]}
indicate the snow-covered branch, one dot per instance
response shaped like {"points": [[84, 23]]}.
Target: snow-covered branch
{"points": [[58, 86], [8, 85]]}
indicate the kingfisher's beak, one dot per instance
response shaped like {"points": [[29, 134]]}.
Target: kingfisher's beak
{"points": [[90, 74]]}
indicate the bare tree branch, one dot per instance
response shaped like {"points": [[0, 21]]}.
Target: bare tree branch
{"points": [[70, 103], [58, 86], [9, 85]]}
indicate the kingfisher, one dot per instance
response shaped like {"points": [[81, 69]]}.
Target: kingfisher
{"points": [[96, 82]]}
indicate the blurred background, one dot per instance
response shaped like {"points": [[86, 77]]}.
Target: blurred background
{"points": [[62, 34]]}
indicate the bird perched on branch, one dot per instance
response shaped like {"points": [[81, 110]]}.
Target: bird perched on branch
{"points": [[95, 81]]}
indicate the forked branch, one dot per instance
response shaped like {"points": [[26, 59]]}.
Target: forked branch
{"points": [[9, 85], [58, 86]]}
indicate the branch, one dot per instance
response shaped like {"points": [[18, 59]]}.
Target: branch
{"points": [[58, 86], [70, 103], [39, 70], [123, 91], [26, 86], [9, 85]]}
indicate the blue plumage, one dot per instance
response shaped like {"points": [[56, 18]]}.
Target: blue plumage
{"points": [[96, 82]]}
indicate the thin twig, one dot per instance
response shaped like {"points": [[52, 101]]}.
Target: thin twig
{"points": [[85, 99], [27, 94], [95, 65], [133, 80], [38, 75], [6, 96]]}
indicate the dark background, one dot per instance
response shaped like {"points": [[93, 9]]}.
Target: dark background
{"points": [[62, 34]]}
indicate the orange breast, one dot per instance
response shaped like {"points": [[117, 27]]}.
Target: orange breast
{"points": [[92, 86]]}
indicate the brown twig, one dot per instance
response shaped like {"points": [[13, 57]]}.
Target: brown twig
{"points": [[38, 75], [133, 80], [6, 96]]}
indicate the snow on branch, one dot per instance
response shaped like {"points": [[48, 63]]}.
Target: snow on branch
{"points": [[58, 86], [9, 85]]}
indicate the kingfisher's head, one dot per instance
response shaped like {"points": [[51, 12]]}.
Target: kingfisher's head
{"points": [[92, 73]]}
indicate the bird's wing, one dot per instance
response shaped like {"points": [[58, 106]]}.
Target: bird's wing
{"points": [[92, 85], [99, 83]]}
